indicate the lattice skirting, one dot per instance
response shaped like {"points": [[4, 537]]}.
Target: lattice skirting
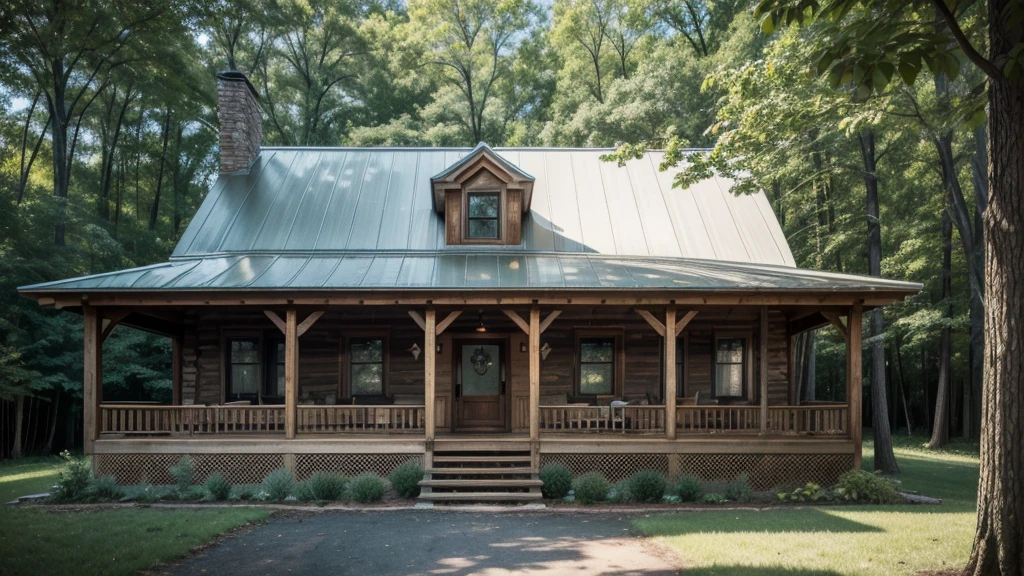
{"points": [[153, 468], [615, 467], [349, 464], [765, 470]]}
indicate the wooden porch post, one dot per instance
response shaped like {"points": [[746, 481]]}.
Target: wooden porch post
{"points": [[534, 336], [176, 367], [763, 369], [670, 373], [92, 383], [291, 374], [429, 374], [854, 377]]}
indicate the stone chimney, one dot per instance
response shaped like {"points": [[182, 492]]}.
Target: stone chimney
{"points": [[241, 128]]}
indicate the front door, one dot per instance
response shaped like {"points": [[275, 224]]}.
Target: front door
{"points": [[480, 384]]}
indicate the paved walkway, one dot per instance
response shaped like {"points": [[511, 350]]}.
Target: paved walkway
{"points": [[434, 542]]}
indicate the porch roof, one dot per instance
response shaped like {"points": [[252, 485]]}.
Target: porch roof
{"points": [[476, 269]]}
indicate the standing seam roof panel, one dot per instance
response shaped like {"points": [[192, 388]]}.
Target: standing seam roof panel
{"points": [[256, 206], [280, 220], [627, 228]]}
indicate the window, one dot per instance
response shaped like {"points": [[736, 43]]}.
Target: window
{"points": [[366, 366], [243, 375], [275, 372], [730, 367], [483, 212], [597, 365]]}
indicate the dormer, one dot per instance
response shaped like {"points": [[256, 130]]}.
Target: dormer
{"points": [[483, 199]]}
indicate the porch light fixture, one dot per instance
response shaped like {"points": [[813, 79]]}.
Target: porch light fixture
{"points": [[481, 327], [522, 348]]}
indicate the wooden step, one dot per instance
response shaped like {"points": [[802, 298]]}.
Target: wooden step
{"points": [[482, 471], [480, 496], [485, 482], [480, 459]]}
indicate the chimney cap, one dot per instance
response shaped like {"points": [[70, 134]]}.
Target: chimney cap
{"points": [[238, 76]]}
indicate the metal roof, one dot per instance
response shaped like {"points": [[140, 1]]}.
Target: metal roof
{"points": [[475, 270]]}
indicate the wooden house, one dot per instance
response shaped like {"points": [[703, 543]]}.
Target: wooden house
{"points": [[482, 311]]}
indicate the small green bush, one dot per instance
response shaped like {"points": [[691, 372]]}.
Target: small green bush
{"points": [[713, 499], [218, 486], [647, 486], [689, 489], [590, 487], [148, 493], [739, 490], [367, 488], [405, 480], [810, 492], [557, 481], [863, 486], [322, 487], [184, 473], [74, 480], [278, 484], [106, 488], [618, 493]]}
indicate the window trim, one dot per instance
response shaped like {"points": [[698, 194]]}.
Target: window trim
{"points": [[497, 219], [618, 358], [748, 361], [346, 372]]}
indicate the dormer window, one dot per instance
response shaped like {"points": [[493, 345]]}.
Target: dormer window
{"points": [[483, 199], [483, 215]]}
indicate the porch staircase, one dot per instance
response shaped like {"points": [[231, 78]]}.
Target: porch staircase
{"points": [[480, 475]]}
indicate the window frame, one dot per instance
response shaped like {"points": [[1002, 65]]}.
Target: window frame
{"points": [[226, 339], [271, 364], [348, 363], [746, 393], [467, 221], [682, 365], [618, 359]]}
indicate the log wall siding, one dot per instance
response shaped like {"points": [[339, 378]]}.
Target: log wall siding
{"points": [[323, 363]]}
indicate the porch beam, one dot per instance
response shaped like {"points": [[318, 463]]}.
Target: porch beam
{"points": [[309, 321], [92, 383], [669, 332], [519, 320], [444, 324], [854, 379], [111, 321], [683, 322], [654, 322], [429, 361], [291, 373], [546, 323], [533, 330], [838, 324], [418, 319], [763, 369], [276, 320]]}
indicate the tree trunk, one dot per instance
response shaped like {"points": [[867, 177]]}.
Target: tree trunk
{"points": [[19, 417], [165, 135], [885, 460], [48, 448], [940, 427], [999, 539], [979, 169]]}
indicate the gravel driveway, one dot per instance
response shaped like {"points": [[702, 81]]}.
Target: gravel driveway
{"points": [[434, 542]]}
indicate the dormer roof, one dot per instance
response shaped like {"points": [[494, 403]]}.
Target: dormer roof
{"points": [[483, 157]]}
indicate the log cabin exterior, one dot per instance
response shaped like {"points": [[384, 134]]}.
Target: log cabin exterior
{"points": [[352, 309]]}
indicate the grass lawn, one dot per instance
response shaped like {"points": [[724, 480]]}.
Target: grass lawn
{"points": [[39, 541], [840, 539]]}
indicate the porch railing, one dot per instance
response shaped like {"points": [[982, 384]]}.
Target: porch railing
{"points": [[361, 419], [825, 420], [156, 420], [620, 419]]}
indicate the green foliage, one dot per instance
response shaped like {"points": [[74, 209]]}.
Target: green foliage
{"points": [[73, 481], [367, 488], [278, 485], [863, 486], [810, 492], [218, 486], [405, 479], [689, 489], [184, 474], [647, 486], [590, 487], [557, 481], [739, 490], [106, 488], [322, 487], [714, 498]]}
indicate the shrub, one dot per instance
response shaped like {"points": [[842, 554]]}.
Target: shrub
{"points": [[557, 481], [72, 482], [366, 488], [713, 499], [278, 484], [184, 473], [218, 486], [106, 488], [322, 487], [590, 487], [739, 490], [405, 480], [689, 489], [863, 486], [810, 492], [618, 493], [147, 493], [647, 486]]}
